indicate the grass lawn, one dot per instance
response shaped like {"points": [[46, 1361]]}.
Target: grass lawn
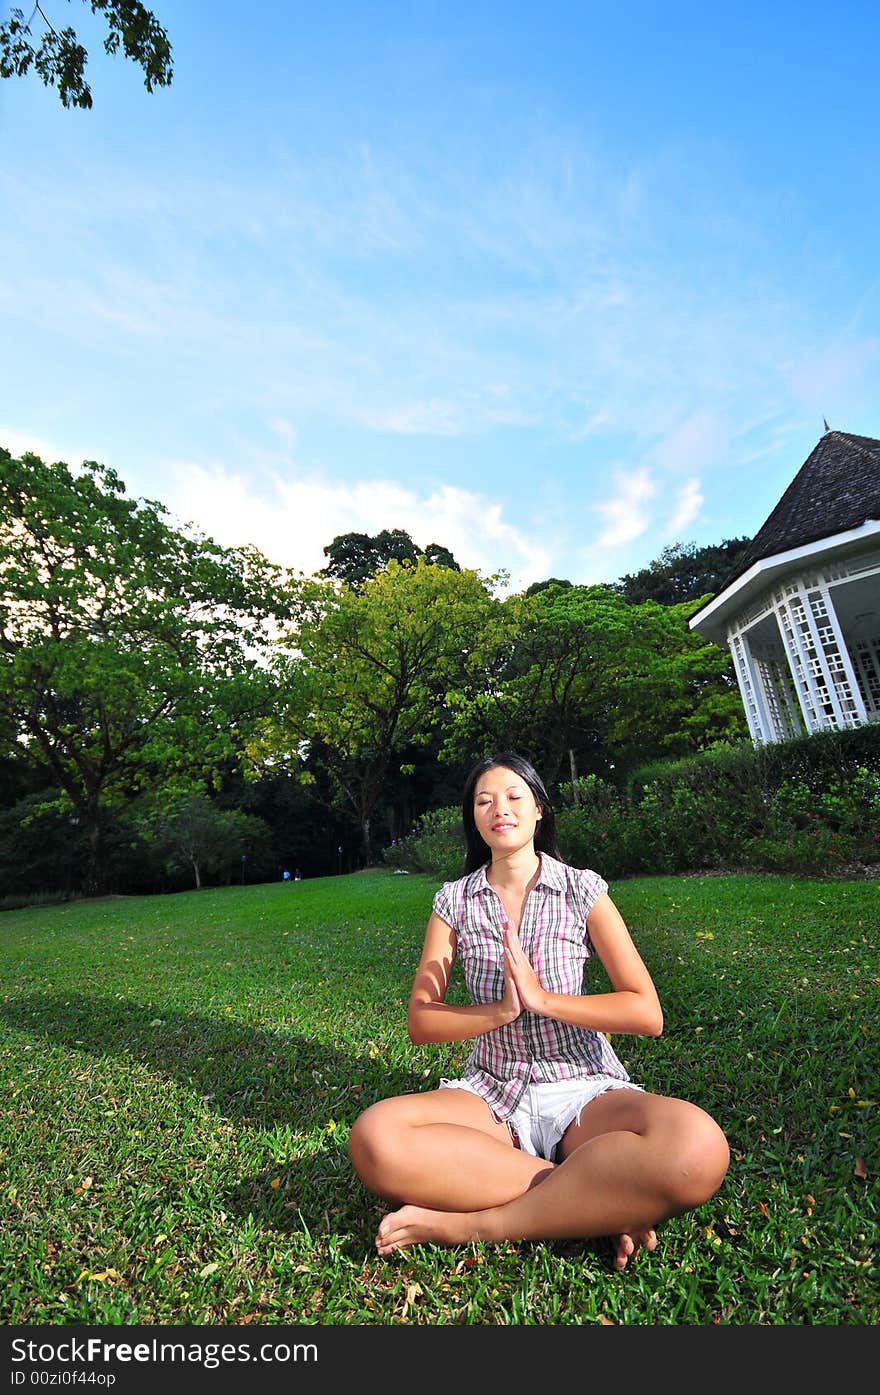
{"points": [[179, 1075]]}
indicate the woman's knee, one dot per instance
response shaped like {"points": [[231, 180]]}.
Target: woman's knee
{"points": [[374, 1139], [701, 1160], [365, 1134]]}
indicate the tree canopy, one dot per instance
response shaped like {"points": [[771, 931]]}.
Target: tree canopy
{"points": [[683, 572], [581, 679], [130, 650], [60, 60], [355, 557], [368, 670], [152, 683]]}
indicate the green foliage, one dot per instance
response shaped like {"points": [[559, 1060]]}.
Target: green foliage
{"points": [[436, 846], [178, 1095], [131, 651], [683, 572], [580, 679], [811, 806], [190, 830], [59, 59], [354, 557], [42, 845], [367, 673]]}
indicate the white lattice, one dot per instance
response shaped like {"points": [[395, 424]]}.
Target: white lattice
{"points": [[866, 660], [813, 680]]}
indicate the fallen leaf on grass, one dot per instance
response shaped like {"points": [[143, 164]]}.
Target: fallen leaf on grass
{"points": [[468, 1263], [101, 1276], [208, 1269], [859, 1168], [413, 1292]]}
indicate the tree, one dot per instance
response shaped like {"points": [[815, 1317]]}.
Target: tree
{"points": [[194, 832], [355, 557], [537, 586], [550, 664], [131, 651], [368, 672], [683, 572], [678, 693], [578, 677], [60, 59], [438, 556]]}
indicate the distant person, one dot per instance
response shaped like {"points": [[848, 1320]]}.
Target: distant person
{"points": [[285, 875], [545, 1136], [298, 877]]}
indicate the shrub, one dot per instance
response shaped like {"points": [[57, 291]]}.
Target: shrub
{"points": [[436, 846], [811, 805]]}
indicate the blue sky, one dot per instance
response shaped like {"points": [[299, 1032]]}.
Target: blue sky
{"points": [[554, 286]]}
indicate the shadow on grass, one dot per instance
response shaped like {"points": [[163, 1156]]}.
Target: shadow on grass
{"points": [[317, 1192], [263, 1078]]}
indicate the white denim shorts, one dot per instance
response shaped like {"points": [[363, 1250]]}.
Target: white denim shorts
{"points": [[547, 1108]]}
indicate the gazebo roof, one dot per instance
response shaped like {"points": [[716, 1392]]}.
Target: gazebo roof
{"points": [[836, 492], [836, 488]]}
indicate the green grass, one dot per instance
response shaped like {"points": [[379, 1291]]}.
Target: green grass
{"points": [[179, 1075]]}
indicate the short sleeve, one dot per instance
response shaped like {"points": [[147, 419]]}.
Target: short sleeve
{"points": [[442, 905], [592, 887]]}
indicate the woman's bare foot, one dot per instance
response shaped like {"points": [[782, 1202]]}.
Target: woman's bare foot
{"points": [[418, 1225], [629, 1244]]}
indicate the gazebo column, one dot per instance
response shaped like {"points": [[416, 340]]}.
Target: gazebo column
{"points": [[823, 676], [750, 688], [765, 686]]}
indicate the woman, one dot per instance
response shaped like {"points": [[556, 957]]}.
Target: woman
{"points": [[545, 1137]]}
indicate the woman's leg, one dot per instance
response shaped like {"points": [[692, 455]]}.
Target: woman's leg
{"points": [[633, 1160], [442, 1149]]}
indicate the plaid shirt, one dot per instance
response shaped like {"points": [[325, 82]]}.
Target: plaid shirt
{"points": [[555, 939]]}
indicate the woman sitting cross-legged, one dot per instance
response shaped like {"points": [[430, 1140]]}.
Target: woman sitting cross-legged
{"points": [[545, 1136]]}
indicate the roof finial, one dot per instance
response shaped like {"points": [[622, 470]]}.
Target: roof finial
{"points": [[827, 427]]}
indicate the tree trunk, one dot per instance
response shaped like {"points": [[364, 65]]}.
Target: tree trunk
{"points": [[572, 765], [95, 874]]}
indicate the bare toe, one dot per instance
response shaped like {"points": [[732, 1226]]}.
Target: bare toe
{"points": [[624, 1248], [629, 1244]]}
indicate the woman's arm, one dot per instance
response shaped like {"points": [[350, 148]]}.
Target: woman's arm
{"points": [[429, 1018], [632, 1007]]}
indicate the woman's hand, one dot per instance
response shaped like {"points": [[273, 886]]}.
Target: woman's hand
{"points": [[531, 994], [510, 1005]]}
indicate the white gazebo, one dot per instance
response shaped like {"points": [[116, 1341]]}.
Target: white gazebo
{"points": [[800, 612]]}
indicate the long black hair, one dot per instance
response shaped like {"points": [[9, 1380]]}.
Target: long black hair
{"points": [[478, 851]]}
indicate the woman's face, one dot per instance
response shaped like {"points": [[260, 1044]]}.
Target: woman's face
{"points": [[505, 811]]}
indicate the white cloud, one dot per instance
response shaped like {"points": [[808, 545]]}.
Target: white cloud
{"points": [[690, 501], [17, 442], [626, 513], [292, 519]]}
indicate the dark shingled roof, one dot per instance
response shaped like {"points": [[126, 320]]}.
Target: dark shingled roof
{"points": [[836, 488]]}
